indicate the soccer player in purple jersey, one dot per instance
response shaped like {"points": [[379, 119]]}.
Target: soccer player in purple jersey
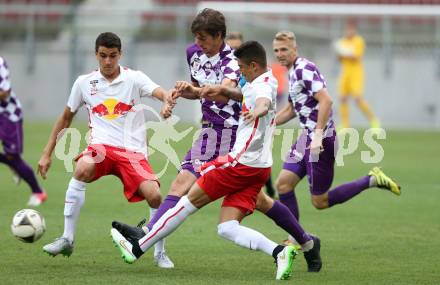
{"points": [[11, 135], [313, 154], [214, 71]]}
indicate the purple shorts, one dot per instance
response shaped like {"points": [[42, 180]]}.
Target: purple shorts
{"points": [[213, 141], [320, 172], [11, 135]]}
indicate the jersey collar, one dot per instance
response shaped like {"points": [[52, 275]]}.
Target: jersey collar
{"points": [[121, 77], [262, 77]]}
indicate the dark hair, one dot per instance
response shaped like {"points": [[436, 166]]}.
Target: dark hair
{"points": [[210, 21], [252, 51], [108, 40]]}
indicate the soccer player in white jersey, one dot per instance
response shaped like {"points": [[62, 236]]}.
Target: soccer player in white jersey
{"points": [[214, 70], [112, 95], [234, 40], [313, 154], [238, 176]]}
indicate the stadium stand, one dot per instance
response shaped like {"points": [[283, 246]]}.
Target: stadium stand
{"points": [[47, 21], [382, 2]]}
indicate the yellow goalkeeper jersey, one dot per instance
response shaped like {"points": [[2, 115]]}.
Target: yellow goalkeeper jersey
{"points": [[352, 72]]}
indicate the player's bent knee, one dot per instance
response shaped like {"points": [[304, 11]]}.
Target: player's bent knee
{"points": [[320, 203], [151, 192], [282, 186], [85, 175], [178, 190], [181, 184], [154, 198], [286, 181], [264, 202], [84, 171]]}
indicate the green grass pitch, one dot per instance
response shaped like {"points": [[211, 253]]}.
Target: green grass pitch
{"points": [[376, 238]]}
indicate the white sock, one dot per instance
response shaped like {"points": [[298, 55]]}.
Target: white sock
{"points": [[159, 246], [246, 237], [373, 182], [169, 222], [293, 240], [75, 196], [308, 245]]}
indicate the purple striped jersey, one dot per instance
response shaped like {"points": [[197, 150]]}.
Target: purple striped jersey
{"points": [[305, 81], [210, 71], [11, 107]]}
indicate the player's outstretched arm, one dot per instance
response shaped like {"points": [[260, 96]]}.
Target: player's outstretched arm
{"points": [[222, 93], [284, 115], [162, 95], [62, 122], [168, 101], [187, 90]]}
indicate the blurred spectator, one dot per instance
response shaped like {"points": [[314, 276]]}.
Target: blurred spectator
{"points": [[234, 39]]}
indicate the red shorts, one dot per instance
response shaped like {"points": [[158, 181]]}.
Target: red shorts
{"points": [[130, 167], [240, 184]]}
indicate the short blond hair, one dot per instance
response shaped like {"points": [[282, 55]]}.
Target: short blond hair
{"points": [[286, 36]]}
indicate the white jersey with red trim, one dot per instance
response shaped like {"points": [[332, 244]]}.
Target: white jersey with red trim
{"points": [[115, 111], [253, 146]]}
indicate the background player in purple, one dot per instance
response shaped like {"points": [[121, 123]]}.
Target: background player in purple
{"points": [[214, 73], [313, 154], [11, 135]]}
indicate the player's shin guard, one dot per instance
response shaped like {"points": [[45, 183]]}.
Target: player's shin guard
{"points": [[284, 218], [347, 191], [246, 237], [75, 196], [169, 202], [169, 222]]}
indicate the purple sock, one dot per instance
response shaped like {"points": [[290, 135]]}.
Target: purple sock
{"points": [[282, 216], [169, 202], [23, 170], [346, 191], [289, 199]]}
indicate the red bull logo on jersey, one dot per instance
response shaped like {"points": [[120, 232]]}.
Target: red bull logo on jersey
{"points": [[111, 109]]}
